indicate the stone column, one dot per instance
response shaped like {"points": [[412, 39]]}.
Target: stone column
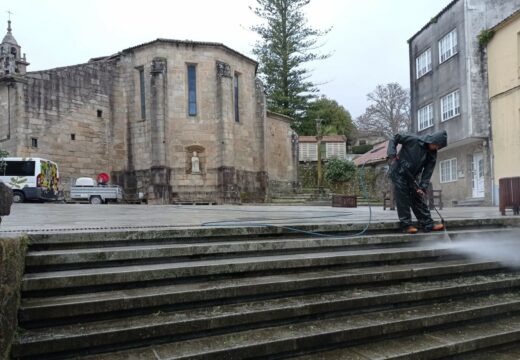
{"points": [[295, 159], [226, 171], [13, 120], [158, 111], [261, 129], [160, 173]]}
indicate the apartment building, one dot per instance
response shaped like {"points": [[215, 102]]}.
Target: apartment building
{"points": [[449, 91]]}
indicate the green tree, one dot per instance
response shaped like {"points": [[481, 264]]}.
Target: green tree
{"points": [[286, 43], [336, 119]]}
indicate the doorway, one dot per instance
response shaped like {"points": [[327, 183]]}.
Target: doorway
{"points": [[478, 175]]}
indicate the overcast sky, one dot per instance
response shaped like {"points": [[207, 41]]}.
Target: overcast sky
{"points": [[368, 39]]}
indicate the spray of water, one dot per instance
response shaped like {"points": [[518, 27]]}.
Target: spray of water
{"points": [[499, 246]]}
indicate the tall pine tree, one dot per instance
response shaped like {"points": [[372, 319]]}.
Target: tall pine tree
{"points": [[286, 43]]}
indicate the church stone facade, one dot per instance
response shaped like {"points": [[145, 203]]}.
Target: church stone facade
{"points": [[150, 115]]}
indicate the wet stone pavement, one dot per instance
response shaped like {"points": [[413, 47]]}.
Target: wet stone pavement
{"points": [[84, 217]]}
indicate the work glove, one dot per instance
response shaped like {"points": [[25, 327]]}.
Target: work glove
{"points": [[391, 159]]}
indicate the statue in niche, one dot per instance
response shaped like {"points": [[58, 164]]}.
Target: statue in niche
{"points": [[195, 164]]}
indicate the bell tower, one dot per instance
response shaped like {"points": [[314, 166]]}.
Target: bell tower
{"points": [[11, 60]]}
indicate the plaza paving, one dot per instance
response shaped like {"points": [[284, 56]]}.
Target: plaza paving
{"points": [[84, 217]]}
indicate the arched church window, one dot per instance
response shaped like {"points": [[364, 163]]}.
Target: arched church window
{"points": [[13, 51]]}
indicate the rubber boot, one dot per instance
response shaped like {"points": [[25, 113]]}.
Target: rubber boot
{"points": [[410, 230], [437, 227]]}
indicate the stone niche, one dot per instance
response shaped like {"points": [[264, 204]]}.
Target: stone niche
{"points": [[192, 151]]}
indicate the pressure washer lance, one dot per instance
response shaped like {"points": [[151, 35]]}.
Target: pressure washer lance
{"points": [[423, 198]]}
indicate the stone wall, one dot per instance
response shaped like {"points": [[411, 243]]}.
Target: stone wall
{"points": [[504, 97], [281, 148], [90, 118], [11, 90], [231, 152], [12, 262], [68, 110]]}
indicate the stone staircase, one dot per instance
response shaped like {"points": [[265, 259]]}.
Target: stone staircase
{"points": [[193, 296], [310, 196], [470, 202], [292, 199]]}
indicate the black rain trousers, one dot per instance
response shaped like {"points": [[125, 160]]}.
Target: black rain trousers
{"points": [[406, 198]]}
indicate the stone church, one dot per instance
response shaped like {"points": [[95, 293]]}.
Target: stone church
{"points": [[177, 121]]}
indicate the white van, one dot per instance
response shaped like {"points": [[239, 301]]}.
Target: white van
{"points": [[31, 178]]}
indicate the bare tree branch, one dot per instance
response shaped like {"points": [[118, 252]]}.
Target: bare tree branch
{"points": [[388, 113]]}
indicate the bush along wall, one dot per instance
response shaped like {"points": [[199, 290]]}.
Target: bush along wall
{"points": [[375, 179], [308, 175]]}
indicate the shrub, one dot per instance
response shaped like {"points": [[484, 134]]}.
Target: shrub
{"points": [[361, 149], [338, 171]]}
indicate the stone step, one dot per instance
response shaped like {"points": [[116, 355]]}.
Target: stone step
{"points": [[210, 318], [158, 235], [122, 252], [315, 190], [288, 201], [471, 339], [163, 271], [296, 195], [470, 202], [508, 351], [230, 295], [180, 251], [52, 307], [314, 334]]}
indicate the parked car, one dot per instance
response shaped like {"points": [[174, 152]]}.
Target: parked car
{"points": [[31, 179]]}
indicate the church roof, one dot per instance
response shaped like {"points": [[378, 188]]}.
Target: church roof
{"points": [[190, 43], [9, 38]]}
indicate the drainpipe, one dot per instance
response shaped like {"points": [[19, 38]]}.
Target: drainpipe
{"points": [[491, 160]]}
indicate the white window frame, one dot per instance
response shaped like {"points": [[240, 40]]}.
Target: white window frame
{"points": [[308, 151], [450, 105], [425, 117], [423, 63], [336, 149], [448, 46], [448, 170]]}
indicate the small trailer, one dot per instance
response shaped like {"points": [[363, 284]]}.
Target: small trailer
{"points": [[89, 190]]}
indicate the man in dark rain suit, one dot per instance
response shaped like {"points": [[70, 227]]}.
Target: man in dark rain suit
{"points": [[417, 157]]}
